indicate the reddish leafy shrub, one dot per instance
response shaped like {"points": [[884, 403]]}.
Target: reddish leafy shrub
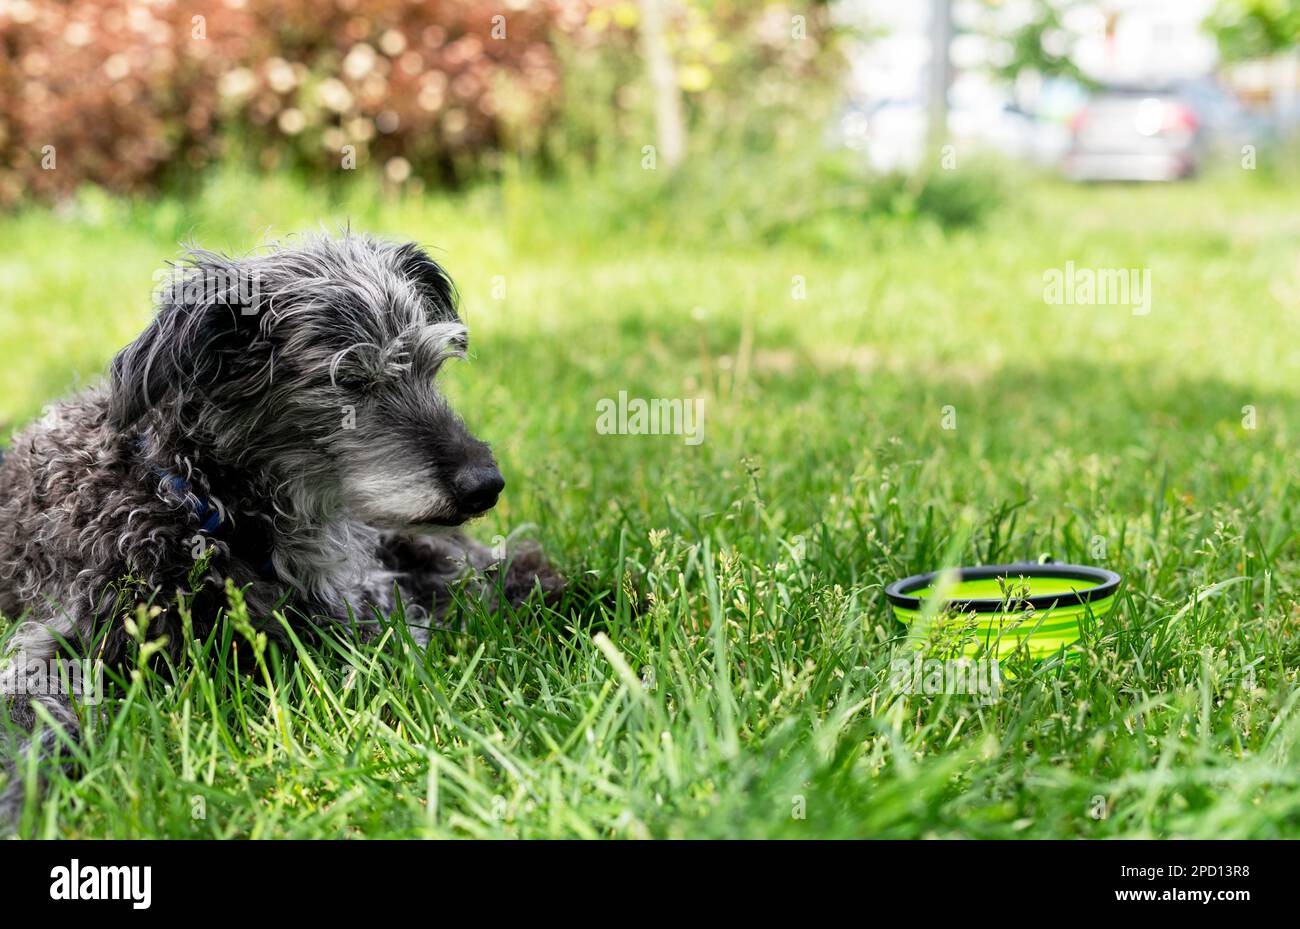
{"points": [[128, 94], [121, 93]]}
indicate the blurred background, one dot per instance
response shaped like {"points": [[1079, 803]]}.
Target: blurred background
{"points": [[139, 97]]}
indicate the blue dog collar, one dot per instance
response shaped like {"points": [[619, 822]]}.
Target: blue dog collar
{"points": [[208, 515], [212, 517]]}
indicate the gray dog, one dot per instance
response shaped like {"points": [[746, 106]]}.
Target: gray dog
{"points": [[277, 426]]}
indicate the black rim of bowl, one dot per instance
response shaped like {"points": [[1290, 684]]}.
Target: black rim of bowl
{"points": [[1104, 583]]}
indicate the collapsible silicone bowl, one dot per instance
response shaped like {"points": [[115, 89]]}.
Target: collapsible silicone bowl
{"points": [[1040, 605]]}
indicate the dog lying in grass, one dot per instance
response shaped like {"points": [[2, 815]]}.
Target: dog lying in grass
{"points": [[277, 427]]}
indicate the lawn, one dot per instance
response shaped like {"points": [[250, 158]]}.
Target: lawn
{"points": [[879, 398]]}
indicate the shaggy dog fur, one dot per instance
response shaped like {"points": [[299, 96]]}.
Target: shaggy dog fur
{"points": [[276, 425]]}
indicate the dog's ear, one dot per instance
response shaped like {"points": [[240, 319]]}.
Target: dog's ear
{"points": [[430, 280], [207, 314]]}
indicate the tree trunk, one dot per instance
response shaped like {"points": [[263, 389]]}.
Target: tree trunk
{"points": [[669, 126], [940, 75]]}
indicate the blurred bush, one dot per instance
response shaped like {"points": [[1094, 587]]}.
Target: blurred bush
{"points": [[125, 94], [1247, 29], [130, 95]]}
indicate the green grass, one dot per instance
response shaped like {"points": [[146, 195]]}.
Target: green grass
{"points": [[748, 692]]}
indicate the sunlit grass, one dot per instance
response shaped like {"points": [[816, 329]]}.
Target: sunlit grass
{"points": [[741, 687]]}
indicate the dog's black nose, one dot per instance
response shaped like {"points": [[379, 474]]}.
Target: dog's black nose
{"points": [[477, 488]]}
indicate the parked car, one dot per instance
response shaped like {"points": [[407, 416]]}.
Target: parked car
{"points": [[1135, 134]]}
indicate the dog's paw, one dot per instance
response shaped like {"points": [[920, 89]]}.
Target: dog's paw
{"points": [[525, 572]]}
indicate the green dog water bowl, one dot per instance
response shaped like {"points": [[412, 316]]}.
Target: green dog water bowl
{"points": [[1039, 605]]}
